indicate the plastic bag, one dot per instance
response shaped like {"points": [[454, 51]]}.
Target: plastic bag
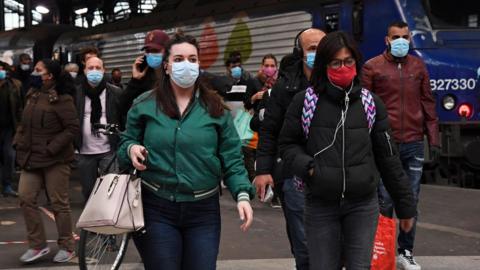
{"points": [[383, 257], [242, 125]]}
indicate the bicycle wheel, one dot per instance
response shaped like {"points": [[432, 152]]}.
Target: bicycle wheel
{"points": [[101, 251]]}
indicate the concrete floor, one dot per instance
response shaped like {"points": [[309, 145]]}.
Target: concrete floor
{"points": [[448, 234]]}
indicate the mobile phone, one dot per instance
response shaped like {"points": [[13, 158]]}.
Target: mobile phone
{"points": [[144, 64], [145, 154], [268, 194]]}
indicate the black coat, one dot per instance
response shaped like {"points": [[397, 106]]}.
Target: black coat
{"points": [[347, 169], [112, 113], [290, 81]]}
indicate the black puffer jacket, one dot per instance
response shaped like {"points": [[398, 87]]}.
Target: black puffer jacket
{"points": [[347, 169], [291, 81]]}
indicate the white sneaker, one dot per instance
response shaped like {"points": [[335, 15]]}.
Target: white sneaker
{"points": [[34, 254], [63, 256], [405, 261]]}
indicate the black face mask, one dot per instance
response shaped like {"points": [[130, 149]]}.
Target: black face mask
{"points": [[36, 81], [117, 80]]}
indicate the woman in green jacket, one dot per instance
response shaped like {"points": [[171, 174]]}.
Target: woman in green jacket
{"points": [[188, 135]]}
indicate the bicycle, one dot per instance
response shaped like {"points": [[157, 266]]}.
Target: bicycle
{"points": [[102, 251]]}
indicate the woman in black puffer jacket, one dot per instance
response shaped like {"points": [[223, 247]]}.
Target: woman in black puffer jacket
{"points": [[336, 147]]}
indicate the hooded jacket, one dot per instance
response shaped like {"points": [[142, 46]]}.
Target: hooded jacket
{"points": [[49, 125], [349, 157]]}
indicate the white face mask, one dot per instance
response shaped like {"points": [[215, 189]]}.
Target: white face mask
{"points": [[25, 67], [184, 73], [73, 74]]}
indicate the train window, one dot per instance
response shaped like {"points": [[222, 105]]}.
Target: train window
{"points": [[331, 22], [466, 15]]}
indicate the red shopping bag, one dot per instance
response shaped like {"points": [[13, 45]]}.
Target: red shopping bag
{"points": [[383, 257]]}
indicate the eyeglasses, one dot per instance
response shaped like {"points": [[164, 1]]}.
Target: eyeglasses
{"points": [[337, 63]]}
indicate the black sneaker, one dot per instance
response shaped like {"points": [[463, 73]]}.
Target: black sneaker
{"points": [[8, 191]]}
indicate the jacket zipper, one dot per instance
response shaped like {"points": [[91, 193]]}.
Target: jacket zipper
{"points": [[344, 187], [402, 93], [389, 143], [179, 123], [42, 125]]}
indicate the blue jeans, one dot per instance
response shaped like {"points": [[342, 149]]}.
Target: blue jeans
{"points": [[179, 235], [294, 204], [341, 233], [412, 157], [7, 158]]}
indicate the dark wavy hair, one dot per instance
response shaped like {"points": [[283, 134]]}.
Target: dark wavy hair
{"points": [[328, 47], [269, 56], [164, 93], [63, 81]]}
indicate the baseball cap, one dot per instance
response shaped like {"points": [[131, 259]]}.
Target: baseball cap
{"points": [[155, 39]]}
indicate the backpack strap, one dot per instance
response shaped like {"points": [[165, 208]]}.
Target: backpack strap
{"points": [[369, 107], [309, 106]]}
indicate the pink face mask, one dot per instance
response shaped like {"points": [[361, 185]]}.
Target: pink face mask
{"points": [[269, 71]]}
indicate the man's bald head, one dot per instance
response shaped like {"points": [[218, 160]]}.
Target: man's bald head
{"points": [[309, 40], [94, 63]]}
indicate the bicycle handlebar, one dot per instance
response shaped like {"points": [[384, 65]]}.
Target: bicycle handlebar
{"points": [[106, 129]]}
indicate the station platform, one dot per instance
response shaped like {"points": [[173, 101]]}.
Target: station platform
{"points": [[448, 234]]}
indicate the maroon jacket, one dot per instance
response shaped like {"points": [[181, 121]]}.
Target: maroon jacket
{"points": [[404, 87]]}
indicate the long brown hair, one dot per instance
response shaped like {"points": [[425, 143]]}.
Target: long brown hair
{"points": [[165, 97]]}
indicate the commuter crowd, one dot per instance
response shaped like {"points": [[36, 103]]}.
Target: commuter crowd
{"points": [[338, 139]]}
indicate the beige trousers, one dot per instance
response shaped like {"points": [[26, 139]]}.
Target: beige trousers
{"points": [[55, 179]]}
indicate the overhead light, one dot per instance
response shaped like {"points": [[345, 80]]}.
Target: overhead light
{"points": [[81, 11], [42, 10]]}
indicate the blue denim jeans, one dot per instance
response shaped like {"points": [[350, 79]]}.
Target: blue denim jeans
{"points": [[293, 207], [7, 158], [412, 157], [341, 233], [179, 235]]}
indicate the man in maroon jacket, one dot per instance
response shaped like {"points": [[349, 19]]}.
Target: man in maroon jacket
{"points": [[402, 82]]}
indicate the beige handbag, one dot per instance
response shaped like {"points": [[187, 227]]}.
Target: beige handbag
{"points": [[114, 206]]}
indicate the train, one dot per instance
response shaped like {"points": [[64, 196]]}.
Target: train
{"points": [[448, 43]]}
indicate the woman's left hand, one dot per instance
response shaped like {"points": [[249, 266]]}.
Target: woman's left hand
{"points": [[246, 214]]}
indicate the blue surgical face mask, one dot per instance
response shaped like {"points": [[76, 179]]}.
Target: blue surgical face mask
{"points": [[154, 60], [184, 73], [236, 72], [3, 74], [399, 47], [94, 77], [310, 60]]}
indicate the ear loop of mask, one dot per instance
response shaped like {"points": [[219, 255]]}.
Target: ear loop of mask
{"points": [[340, 123]]}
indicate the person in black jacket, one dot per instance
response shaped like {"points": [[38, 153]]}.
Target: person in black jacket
{"points": [[293, 79], [97, 103], [236, 81], [337, 158], [144, 70], [23, 72]]}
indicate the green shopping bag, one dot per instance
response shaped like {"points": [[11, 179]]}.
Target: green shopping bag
{"points": [[242, 125]]}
